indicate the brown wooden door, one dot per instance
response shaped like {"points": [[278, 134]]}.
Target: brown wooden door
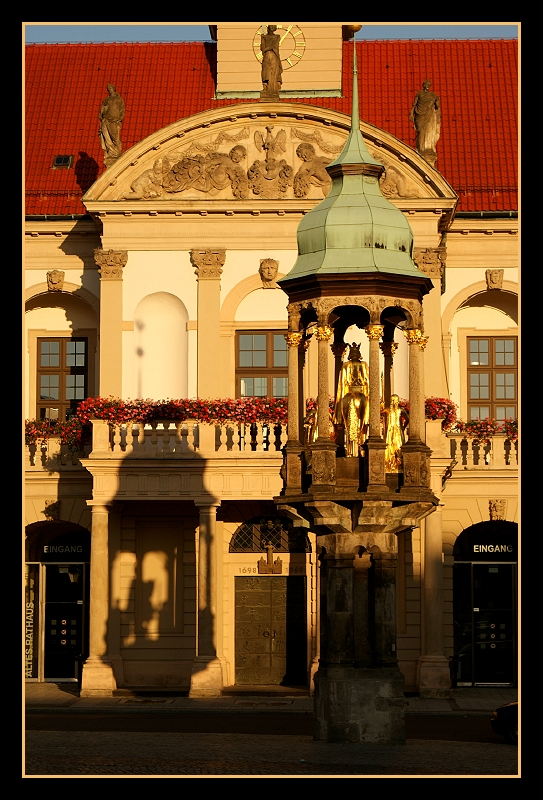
{"points": [[271, 645]]}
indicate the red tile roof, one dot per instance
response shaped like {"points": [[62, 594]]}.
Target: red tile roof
{"points": [[162, 83]]}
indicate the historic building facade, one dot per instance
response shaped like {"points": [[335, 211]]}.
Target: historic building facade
{"points": [[156, 556]]}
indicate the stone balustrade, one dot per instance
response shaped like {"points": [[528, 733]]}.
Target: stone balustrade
{"points": [[52, 456], [499, 453], [188, 439]]}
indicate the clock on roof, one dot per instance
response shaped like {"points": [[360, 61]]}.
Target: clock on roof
{"points": [[291, 43]]}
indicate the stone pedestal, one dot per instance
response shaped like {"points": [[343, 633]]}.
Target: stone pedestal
{"points": [[359, 705], [434, 676], [97, 678], [206, 678]]}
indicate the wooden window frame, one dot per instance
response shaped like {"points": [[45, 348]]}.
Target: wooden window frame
{"points": [[64, 371], [493, 369], [268, 372]]}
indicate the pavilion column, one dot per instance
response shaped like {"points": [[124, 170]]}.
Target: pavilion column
{"points": [[375, 445], [416, 455], [97, 678], [388, 349], [207, 669], [323, 451], [111, 264], [293, 448], [208, 265]]}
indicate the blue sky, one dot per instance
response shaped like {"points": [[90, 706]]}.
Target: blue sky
{"points": [[184, 31]]}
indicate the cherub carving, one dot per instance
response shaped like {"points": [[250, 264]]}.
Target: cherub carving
{"points": [[312, 172], [149, 184], [209, 173]]}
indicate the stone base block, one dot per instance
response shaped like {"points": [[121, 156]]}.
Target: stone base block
{"points": [[97, 678], [434, 676], [359, 705], [206, 679]]}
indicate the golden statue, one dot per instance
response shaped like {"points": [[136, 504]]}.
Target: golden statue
{"points": [[395, 419], [352, 409]]}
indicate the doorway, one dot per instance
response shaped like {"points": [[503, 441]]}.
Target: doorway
{"points": [[485, 606], [271, 631]]}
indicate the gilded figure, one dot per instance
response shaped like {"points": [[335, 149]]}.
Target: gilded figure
{"points": [[352, 410]]}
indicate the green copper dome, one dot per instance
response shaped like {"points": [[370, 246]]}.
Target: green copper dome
{"points": [[355, 229]]}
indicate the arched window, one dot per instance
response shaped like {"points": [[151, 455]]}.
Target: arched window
{"points": [[253, 536]]}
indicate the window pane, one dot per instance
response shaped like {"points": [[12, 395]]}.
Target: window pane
{"points": [[75, 354], [506, 412], [478, 352], [280, 387], [505, 352], [479, 386], [479, 412], [75, 387], [505, 385], [279, 352], [252, 350], [49, 387], [49, 354], [254, 387]]}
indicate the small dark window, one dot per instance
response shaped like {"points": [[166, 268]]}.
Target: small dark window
{"points": [[62, 162]]}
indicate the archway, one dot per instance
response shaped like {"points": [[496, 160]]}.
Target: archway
{"points": [[56, 601], [485, 604]]}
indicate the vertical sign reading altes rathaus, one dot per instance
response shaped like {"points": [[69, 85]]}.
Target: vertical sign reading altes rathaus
{"points": [[31, 621]]}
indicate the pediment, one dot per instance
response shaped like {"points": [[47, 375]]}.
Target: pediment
{"points": [[257, 151]]}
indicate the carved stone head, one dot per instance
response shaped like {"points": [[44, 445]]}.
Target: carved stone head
{"points": [[268, 272], [55, 280], [494, 278]]}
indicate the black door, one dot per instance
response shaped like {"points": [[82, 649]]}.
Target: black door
{"points": [[485, 623], [64, 647]]}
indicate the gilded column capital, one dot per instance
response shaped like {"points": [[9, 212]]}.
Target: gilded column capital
{"points": [[293, 339], [338, 349], [413, 335], [388, 348], [208, 263], [323, 333], [422, 342], [374, 331], [111, 263]]}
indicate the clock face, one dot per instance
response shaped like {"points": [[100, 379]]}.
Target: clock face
{"points": [[291, 43]]}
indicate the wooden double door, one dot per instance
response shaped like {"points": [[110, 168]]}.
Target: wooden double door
{"points": [[271, 631]]}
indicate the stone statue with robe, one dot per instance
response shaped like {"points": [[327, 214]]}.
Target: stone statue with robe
{"points": [[426, 116], [111, 117], [272, 68]]}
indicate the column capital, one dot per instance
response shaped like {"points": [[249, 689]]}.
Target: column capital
{"points": [[293, 339], [413, 335], [338, 348], [208, 263], [323, 333], [206, 502], [388, 348], [422, 342], [111, 263], [374, 331]]}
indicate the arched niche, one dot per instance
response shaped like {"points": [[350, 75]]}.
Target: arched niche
{"points": [[160, 347]]}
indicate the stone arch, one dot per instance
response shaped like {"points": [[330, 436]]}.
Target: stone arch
{"points": [[68, 288], [238, 293], [161, 346], [465, 294], [40, 534]]}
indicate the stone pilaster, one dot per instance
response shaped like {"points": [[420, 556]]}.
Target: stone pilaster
{"points": [[208, 270], [111, 264], [98, 679], [207, 678]]}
